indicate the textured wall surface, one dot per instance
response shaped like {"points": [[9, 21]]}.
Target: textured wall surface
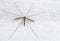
{"points": [[45, 13]]}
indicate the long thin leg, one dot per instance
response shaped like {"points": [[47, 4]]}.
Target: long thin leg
{"points": [[29, 10], [33, 15], [15, 31], [9, 12], [33, 32], [18, 8]]}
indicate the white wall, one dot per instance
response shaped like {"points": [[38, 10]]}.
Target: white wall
{"points": [[46, 25]]}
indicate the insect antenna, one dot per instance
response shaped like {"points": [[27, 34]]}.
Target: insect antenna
{"points": [[15, 31], [33, 32]]}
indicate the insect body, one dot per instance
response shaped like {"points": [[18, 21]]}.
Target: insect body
{"points": [[24, 19]]}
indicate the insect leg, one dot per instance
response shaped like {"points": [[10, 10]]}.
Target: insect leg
{"points": [[29, 10], [9, 12], [33, 32], [33, 15], [15, 31], [18, 8]]}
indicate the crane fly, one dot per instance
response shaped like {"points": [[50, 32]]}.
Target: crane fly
{"points": [[24, 19]]}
